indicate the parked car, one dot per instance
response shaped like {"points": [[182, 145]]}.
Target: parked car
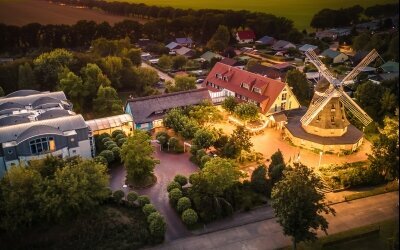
{"points": [[200, 80]]}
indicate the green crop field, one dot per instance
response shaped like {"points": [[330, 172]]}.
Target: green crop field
{"points": [[300, 11]]}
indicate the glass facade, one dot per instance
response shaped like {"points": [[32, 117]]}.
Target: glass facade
{"points": [[42, 145]]}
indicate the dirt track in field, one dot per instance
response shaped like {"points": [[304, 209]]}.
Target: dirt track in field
{"points": [[21, 12]]}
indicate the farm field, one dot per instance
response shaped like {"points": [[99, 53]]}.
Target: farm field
{"points": [[300, 12], [21, 12]]}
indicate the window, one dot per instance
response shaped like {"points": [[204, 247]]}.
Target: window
{"points": [[42, 145], [245, 85], [283, 105], [318, 118], [276, 107], [284, 97], [257, 90], [10, 152], [332, 118], [225, 78]]}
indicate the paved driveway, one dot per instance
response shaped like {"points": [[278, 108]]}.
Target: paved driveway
{"points": [[170, 165]]}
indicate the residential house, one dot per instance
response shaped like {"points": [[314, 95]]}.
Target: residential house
{"points": [[282, 45], [35, 124], [229, 62], [333, 33], [186, 52], [390, 67], [245, 36], [148, 112], [268, 71], [266, 40], [185, 42], [307, 47], [172, 46], [144, 42], [358, 57], [268, 94], [208, 56], [335, 56]]}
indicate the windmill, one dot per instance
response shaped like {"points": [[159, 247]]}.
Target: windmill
{"points": [[326, 114]]}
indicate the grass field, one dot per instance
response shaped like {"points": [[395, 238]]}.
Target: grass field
{"points": [[21, 12], [300, 11]]}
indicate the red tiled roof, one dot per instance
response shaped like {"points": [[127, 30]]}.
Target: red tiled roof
{"points": [[246, 34], [270, 88]]}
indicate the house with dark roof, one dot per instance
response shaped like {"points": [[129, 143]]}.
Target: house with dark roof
{"points": [[268, 94], [186, 52], [306, 47], [148, 112], [209, 55], [282, 45], [185, 41], [172, 46], [245, 36], [335, 56], [229, 61], [390, 67], [266, 40], [35, 124], [270, 72]]}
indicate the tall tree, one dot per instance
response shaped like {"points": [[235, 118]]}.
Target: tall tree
{"points": [[182, 83], [73, 87], [107, 102], [220, 40], [205, 114], [204, 138], [241, 139], [137, 156], [145, 79], [301, 88], [26, 77], [246, 111], [113, 66], [93, 78], [299, 205], [165, 62], [229, 104], [178, 62]]}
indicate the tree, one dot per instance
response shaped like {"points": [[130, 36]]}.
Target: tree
{"points": [[229, 104], [203, 138], [246, 111], [148, 209], [385, 151], [137, 156], [220, 40], [241, 139], [48, 65], [145, 79], [143, 200], [135, 56], [132, 197], [26, 77], [189, 217], [276, 167], [388, 102], [77, 187], [93, 78], [1, 92], [259, 181], [251, 63], [118, 195], [108, 155], [298, 204], [107, 102], [205, 113], [178, 62], [157, 228], [73, 87], [113, 66], [181, 179], [165, 62], [369, 96], [174, 195], [182, 83], [301, 88], [173, 185]]}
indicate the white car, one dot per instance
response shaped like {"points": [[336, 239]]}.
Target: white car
{"points": [[199, 80]]}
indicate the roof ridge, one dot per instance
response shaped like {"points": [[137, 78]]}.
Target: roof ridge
{"points": [[164, 95]]}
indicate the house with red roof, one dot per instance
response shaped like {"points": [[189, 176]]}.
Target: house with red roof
{"points": [[269, 95], [245, 36]]}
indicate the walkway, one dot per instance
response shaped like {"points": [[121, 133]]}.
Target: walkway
{"points": [[268, 234]]}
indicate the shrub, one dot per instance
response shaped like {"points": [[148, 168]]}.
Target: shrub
{"points": [[157, 228], [143, 200], [259, 182], [120, 136], [101, 159], [183, 204], [106, 139], [174, 195], [172, 185], [132, 197], [193, 178], [189, 217], [112, 146], [163, 138], [121, 141], [148, 209], [108, 155], [153, 216], [117, 132], [173, 143], [182, 180], [108, 143], [117, 153], [118, 195]]}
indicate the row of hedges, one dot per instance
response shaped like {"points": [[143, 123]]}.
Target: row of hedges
{"points": [[108, 147], [181, 203], [156, 222], [169, 144]]}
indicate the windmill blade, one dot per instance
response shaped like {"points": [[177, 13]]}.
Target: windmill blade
{"points": [[353, 107], [364, 62], [318, 105], [321, 66]]}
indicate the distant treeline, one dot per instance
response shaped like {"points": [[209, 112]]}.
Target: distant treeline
{"points": [[164, 24], [328, 18]]}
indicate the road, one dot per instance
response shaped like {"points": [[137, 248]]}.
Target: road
{"points": [[170, 165], [268, 234], [159, 72]]}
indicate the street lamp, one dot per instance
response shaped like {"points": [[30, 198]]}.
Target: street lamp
{"points": [[125, 187], [320, 158]]}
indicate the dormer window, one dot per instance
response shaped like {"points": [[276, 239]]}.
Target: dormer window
{"points": [[219, 76], [257, 90], [159, 112], [245, 85]]}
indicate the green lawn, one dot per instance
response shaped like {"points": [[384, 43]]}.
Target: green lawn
{"points": [[300, 11], [372, 237]]}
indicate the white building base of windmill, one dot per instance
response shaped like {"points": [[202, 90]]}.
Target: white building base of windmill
{"points": [[324, 125]]}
